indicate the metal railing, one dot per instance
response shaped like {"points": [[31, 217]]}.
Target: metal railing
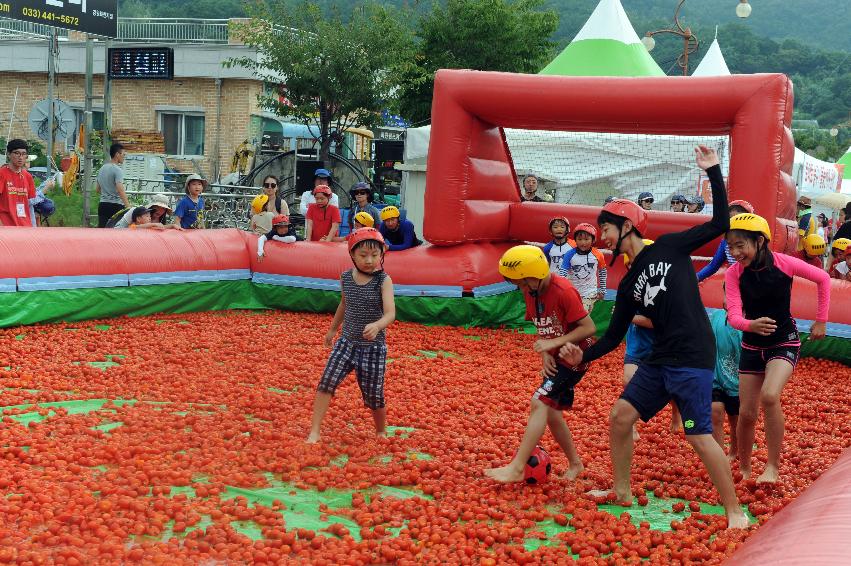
{"points": [[142, 30], [225, 206]]}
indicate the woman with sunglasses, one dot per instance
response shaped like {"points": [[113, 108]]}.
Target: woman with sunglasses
{"points": [[645, 200], [361, 195], [276, 205]]}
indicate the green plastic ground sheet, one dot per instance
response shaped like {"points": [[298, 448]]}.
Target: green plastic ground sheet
{"points": [[326, 511]]}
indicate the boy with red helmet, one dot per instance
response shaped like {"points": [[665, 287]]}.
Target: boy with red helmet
{"points": [[661, 286], [366, 308], [282, 231], [585, 267], [323, 218]]}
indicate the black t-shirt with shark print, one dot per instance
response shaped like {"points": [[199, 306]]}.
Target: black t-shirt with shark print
{"points": [[661, 284]]}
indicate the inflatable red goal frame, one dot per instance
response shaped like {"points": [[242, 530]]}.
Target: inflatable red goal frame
{"points": [[472, 192]]}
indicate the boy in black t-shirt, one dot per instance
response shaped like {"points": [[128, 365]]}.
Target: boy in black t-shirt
{"points": [[662, 286]]}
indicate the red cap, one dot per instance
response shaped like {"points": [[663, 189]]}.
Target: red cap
{"points": [[585, 227], [323, 190], [363, 234], [629, 210], [563, 219], [280, 219], [744, 204]]}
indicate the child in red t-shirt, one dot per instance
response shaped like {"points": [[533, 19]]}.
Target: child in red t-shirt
{"points": [[556, 309], [323, 218]]}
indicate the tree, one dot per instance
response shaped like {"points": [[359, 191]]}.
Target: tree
{"points": [[330, 73], [485, 35]]}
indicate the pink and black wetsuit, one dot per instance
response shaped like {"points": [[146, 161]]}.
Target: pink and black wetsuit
{"points": [[767, 292]]}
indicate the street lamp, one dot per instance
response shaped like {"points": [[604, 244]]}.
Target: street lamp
{"points": [[690, 41], [743, 10]]}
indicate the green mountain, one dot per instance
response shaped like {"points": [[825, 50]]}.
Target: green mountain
{"points": [[819, 24]]}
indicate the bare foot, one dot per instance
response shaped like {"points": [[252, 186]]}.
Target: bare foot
{"points": [[312, 438], [737, 520], [746, 472], [770, 475], [381, 433], [635, 435], [676, 425], [573, 471], [732, 457], [625, 500], [505, 474]]}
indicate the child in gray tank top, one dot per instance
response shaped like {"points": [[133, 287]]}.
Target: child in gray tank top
{"points": [[366, 309]]}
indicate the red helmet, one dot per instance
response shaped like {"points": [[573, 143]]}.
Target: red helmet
{"points": [[280, 220], [629, 210], [322, 190], [363, 234], [585, 227], [563, 219], [744, 204]]}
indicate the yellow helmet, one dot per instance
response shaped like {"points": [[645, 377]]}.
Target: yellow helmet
{"points": [[814, 245], [524, 261], [389, 212], [751, 223], [841, 244], [626, 259], [258, 203], [365, 219]]}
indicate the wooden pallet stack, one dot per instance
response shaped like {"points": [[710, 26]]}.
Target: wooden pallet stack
{"points": [[138, 141]]}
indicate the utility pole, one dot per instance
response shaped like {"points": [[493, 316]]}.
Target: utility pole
{"points": [[107, 100], [51, 71], [88, 162]]}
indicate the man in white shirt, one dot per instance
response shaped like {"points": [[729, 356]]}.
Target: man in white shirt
{"points": [[320, 177]]}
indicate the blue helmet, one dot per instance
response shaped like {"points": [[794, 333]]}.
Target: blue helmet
{"points": [[677, 199], [45, 208], [610, 198], [645, 196]]}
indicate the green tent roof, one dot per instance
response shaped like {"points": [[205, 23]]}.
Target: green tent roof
{"points": [[846, 160], [606, 46]]}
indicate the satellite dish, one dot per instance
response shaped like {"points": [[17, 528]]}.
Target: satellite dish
{"points": [[64, 120]]}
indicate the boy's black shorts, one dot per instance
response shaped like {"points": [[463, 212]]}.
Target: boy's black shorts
{"points": [[557, 391]]}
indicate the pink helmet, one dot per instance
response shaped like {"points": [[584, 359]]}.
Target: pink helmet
{"points": [[322, 190], [743, 204]]}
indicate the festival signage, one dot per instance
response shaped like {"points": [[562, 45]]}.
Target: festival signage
{"points": [[97, 17]]}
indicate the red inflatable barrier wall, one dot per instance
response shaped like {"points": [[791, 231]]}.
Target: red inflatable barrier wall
{"points": [[35, 252], [471, 183], [814, 529]]}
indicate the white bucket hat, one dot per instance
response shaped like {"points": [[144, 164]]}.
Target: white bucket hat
{"points": [[161, 201]]}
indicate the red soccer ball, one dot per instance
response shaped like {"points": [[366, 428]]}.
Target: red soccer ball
{"points": [[538, 466]]}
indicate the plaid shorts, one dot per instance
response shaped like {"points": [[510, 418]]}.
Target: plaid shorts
{"points": [[368, 363]]}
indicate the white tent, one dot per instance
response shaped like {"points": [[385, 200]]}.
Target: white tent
{"points": [[713, 63]]}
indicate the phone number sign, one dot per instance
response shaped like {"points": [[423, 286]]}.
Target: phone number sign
{"points": [[97, 17]]}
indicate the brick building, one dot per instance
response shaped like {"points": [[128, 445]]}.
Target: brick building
{"points": [[203, 114]]}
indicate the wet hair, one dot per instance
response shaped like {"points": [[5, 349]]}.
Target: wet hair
{"points": [[115, 148], [606, 217], [368, 244], [763, 257]]}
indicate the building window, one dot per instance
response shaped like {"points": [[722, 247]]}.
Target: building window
{"points": [[183, 133]]}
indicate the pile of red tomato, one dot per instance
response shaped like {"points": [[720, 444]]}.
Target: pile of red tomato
{"points": [[224, 399]]}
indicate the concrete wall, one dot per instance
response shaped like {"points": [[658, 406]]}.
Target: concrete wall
{"points": [[135, 103]]}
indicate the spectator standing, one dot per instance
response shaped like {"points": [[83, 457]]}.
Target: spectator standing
{"points": [[110, 185], [16, 186], [189, 213], [323, 218], [530, 189], [361, 195], [844, 223], [645, 200], [276, 205], [321, 177]]}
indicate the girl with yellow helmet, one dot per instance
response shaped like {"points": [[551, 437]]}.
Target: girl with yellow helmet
{"points": [[838, 252], [812, 250], [758, 293], [842, 269]]}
